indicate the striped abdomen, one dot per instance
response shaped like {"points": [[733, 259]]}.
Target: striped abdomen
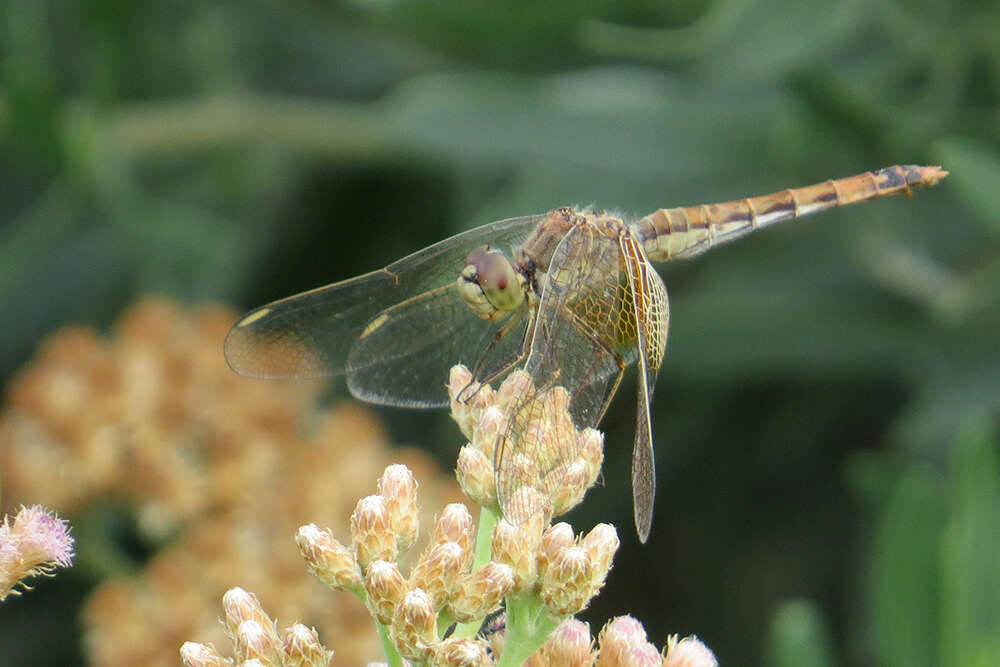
{"points": [[687, 231]]}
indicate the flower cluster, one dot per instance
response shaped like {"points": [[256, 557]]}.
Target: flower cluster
{"points": [[621, 643], [33, 544], [255, 639]]}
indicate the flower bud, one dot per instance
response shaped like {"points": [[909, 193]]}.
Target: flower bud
{"points": [[488, 430], [511, 547], [386, 588], [623, 642], [569, 646], [302, 648], [201, 655], [556, 537], [601, 544], [438, 572], [573, 483], [480, 592], [461, 652], [371, 531], [398, 487], [255, 641], [456, 525], [414, 626], [327, 559], [475, 475], [566, 588], [688, 652], [239, 606]]}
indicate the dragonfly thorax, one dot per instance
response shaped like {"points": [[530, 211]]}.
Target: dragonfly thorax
{"points": [[490, 285]]}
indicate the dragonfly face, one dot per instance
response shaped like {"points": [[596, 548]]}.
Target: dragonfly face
{"points": [[570, 297], [490, 285]]}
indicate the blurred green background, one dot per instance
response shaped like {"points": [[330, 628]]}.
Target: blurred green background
{"points": [[826, 418]]}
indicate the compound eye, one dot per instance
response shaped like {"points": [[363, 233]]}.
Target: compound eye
{"points": [[490, 284]]}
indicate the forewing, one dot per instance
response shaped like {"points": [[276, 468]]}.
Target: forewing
{"points": [[310, 335], [404, 355], [572, 347], [651, 311]]}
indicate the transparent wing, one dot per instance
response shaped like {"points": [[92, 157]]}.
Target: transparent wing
{"points": [[310, 334], [573, 347], [404, 355], [652, 315]]}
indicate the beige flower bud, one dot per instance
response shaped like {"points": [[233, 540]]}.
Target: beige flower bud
{"points": [[475, 475], [371, 531], [460, 652], [201, 655], [601, 544], [456, 525], [414, 626], [571, 484], [569, 646], [566, 588], [386, 588], [327, 559], [302, 648], [516, 388], [510, 546], [555, 538], [239, 606], [467, 399], [688, 652], [439, 571], [398, 487], [255, 641], [480, 592], [591, 448], [623, 642], [491, 421]]}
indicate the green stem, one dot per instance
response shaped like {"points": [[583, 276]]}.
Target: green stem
{"points": [[488, 517], [529, 624], [391, 654]]}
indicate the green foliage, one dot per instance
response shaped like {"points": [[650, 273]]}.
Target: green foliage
{"points": [[242, 151]]}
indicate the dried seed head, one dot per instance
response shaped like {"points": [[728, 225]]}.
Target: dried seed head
{"points": [[414, 626], [302, 648], [386, 588], [461, 652], [201, 655], [255, 641], [371, 531], [555, 538], [439, 571], [398, 487], [510, 546], [327, 559], [601, 544], [475, 475], [565, 588], [688, 652], [480, 592]]}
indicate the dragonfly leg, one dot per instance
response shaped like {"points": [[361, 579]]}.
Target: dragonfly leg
{"points": [[479, 378]]}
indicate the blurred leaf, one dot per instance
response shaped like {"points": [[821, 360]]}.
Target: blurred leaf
{"points": [[904, 573], [975, 171], [800, 637], [970, 551]]}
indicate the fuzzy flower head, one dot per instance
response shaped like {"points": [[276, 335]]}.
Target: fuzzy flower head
{"points": [[34, 543], [524, 451]]}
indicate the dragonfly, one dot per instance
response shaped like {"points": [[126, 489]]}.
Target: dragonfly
{"points": [[570, 296]]}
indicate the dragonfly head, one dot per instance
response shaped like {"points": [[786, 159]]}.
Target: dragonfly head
{"points": [[490, 284]]}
